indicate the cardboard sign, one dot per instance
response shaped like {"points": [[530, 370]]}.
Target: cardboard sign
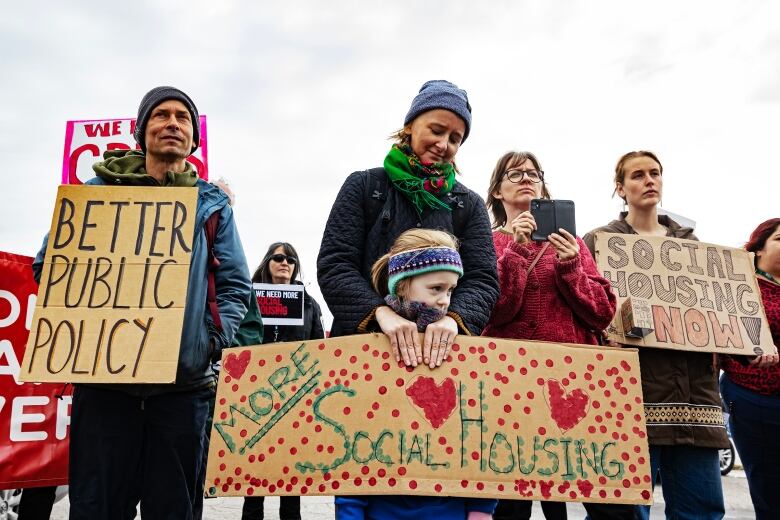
{"points": [[685, 295], [86, 140], [280, 304], [501, 418], [111, 302], [34, 419]]}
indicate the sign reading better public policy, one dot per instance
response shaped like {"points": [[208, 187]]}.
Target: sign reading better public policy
{"points": [[111, 300]]}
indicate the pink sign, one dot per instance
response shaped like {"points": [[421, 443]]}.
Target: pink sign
{"points": [[86, 140]]}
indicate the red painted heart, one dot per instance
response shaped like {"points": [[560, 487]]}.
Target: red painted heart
{"points": [[436, 401], [566, 409], [236, 365]]}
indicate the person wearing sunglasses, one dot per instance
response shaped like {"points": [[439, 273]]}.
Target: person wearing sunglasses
{"points": [[281, 265], [550, 291]]}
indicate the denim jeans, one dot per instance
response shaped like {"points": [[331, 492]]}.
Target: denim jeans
{"points": [[690, 478], [754, 420]]}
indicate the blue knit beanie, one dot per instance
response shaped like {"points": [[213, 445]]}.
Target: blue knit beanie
{"points": [[153, 98], [440, 93]]}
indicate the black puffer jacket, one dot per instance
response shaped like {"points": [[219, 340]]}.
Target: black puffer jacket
{"points": [[350, 246], [311, 328]]}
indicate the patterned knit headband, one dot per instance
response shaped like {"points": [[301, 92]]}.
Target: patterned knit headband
{"points": [[420, 261]]}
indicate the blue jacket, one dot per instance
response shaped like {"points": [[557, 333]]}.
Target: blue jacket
{"points": [[233, 285], [396, 507]]}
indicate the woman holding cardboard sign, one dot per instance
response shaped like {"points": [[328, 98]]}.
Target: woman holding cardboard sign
{"points": [[547, 293], [751, 389], [281, 265], [680, 388]]}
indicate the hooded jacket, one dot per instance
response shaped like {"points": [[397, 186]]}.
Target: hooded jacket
{"points": [[233, 288], [682, 399], [351, 245]]}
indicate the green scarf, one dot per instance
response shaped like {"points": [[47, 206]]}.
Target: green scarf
{"points": [[128, 168], [422, 184]]}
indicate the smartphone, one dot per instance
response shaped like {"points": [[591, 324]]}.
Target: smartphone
{"points": [[550, 215]]}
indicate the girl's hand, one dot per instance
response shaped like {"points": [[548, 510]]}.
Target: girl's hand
{"points": [[566, 246], [439, 336], [402, 334], [522, 227], [765, 360]]}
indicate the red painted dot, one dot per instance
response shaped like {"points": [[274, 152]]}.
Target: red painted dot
{"points": [[402, 471], [540, 381], [534, 363], [412, 484], [391, 482], [279, 358], [385, 366], [415, 425], [549, 363], [542, 430], [507, 408], [527, 410], [347, 410], [454, 371], [530, 395], [475, 455], [337, 352], [399, 382], [473, 374], [395, 413]]}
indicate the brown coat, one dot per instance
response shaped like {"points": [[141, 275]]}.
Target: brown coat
{"points": [[682, 400]]}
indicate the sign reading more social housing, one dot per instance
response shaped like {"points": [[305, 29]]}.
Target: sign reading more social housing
{"points": [[500, 418], [112, 293], [683, 294]]}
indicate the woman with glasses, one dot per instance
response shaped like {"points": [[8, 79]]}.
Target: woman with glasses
{"points": [[550, 291], [683, 411], [281, 265]]}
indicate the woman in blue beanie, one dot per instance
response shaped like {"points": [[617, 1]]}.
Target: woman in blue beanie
{"points": [[416, 188]]}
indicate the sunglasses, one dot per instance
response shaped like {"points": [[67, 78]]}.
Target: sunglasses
{"points": [[279, 258]]}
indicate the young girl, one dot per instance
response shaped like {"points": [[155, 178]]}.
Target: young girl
{"points": [[416, 278]]}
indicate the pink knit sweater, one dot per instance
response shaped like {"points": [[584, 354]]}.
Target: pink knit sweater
{"points": [[565, 302]]}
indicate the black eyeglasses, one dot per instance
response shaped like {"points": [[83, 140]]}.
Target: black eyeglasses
{"points": [[516, 176], [279, 258]]}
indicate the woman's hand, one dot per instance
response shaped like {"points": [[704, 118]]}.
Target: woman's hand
{"points": [[522, 227], [566, 245], [765, 360], [439, 336], [402, 334]]}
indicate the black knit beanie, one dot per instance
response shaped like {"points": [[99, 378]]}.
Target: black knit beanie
{"points": [[153, 98]]}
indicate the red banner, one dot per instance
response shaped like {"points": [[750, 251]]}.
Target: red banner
{"points": [[34, 418]]}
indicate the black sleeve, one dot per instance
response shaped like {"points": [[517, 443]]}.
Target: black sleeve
{"points": [[477, 291], [316, 321], [347, 292]]}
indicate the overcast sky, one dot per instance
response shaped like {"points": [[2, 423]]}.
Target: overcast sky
{"points": [[298, 94]]}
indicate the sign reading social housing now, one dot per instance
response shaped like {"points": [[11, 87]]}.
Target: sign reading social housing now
{"points": [[112, 293], [500, 418], [683, 294]]}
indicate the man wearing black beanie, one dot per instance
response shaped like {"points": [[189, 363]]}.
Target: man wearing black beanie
{"points": [[145, 442]]}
